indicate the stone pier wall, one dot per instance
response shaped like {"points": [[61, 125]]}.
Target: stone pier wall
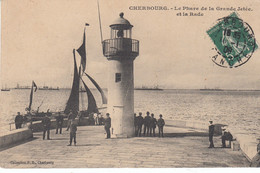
{"points": [[15, 136]]}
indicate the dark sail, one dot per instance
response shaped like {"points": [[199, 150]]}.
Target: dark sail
{"points": [[104, 98], [92, 106], [73, 102], [31, 95], [82, 52]]}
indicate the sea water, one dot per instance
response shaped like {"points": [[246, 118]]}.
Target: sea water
{"points": [[239, 109]]}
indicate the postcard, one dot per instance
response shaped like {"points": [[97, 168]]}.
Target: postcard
{"points": [[130, 84]]}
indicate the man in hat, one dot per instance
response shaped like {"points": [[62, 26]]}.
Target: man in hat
{"points": [[226, 136], [139, 122], [73, 130], [256, 159], [153, 123], [211, 133], [46, 122], [107, 125], [59, 123], [160, 124], [147, 120], [18, 121]]}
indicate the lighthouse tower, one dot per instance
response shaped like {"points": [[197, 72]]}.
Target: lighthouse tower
{"points": [[121, 51]]}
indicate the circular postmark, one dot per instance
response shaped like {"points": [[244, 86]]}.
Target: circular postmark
{"points": [[234, 40]]}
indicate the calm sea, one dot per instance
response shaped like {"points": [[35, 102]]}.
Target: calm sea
{"points": [[238, 109]]}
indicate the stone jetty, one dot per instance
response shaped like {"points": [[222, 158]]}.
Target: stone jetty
{"points": [[181, 147]]}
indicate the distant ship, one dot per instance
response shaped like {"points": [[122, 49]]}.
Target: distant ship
{"points": [[5, 89], [22, 87], [48, 88], [149, 88], [211, 89]]}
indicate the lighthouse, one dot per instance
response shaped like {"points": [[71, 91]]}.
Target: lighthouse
{"points": [[121, 51]]}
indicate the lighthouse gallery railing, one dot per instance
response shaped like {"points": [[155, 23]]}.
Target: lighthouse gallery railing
{"points": [[121, 47]]}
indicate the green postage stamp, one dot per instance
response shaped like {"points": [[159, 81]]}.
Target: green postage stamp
{"points": [[234, 40]]}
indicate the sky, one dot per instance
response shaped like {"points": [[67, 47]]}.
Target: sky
{"points": [[38, 37]]}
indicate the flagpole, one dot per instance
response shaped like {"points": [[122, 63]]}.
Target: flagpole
{"points": [[100, 27], [85, 34]]}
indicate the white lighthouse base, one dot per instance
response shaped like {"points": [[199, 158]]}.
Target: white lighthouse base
{"points": [[121, 98], [117, 136]]}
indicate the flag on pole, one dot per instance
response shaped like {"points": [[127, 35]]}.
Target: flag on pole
{"points": [[34, 85], [31, 95]]}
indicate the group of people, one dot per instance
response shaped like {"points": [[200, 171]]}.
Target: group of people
{"points": [[226, 135], [71, 126], [149, 123], [98, 118], [19, 120]]}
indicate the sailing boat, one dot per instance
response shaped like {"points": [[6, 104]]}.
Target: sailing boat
{"points": [[5, 89], [73, 101]]}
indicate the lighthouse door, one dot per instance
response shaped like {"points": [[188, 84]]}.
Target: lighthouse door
{"points": [[117, 121]]}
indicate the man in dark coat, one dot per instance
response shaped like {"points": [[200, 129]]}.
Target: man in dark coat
{"points": [[135, 122], [46, 122], [160, 124], [153, 123], [73, 130], [59, 123], [139, 122], [107, 125], [18, 121], [226, 136], [211, 133], [70, 116], [147, 120]]}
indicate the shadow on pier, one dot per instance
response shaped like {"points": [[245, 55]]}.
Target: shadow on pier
{"points": [[185, 134]]}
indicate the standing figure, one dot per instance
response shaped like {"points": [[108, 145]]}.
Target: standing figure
{"points": [[100, 119], [95, 116], [153, 123], [256, 159], [73, 130], [226, 136], [59, 123], [46, 122], [211, 133], [135, 122], [70, 116], [147, 120], [139, 122], [97, 119], [18, 121], [107, 125], [160, 124]]}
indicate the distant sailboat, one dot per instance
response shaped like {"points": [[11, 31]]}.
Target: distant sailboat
{"points": [[73, 101], [5, 89]]}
